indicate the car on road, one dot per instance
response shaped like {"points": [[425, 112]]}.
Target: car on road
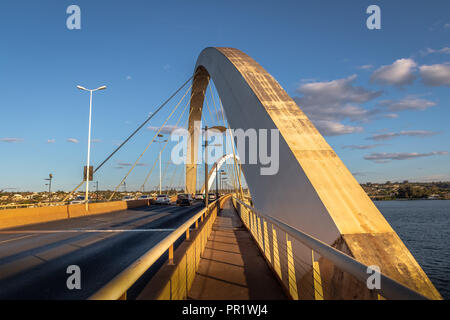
{"points": [[211, 197], [184, 199], [162, 199], [198, 196], [78, 200], [144, 197], [127, 198]]}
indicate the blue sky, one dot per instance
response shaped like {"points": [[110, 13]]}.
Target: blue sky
{"points": [[380, 97]]}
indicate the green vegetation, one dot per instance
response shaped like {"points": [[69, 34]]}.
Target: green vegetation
{"points": [[376, 191], [407, 190]]}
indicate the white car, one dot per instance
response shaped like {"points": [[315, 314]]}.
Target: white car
{"points": [[162, 199], [78, 200], [199, 196], [144, 197]]}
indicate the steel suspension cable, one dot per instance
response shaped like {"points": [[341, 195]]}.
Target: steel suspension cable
{"points": [[232, 144], [134, 132], [207, 105], [214, 103], [173, 174], [162, 150], [151, 142]]}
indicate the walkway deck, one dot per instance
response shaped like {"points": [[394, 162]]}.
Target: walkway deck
{"points": [[232, 266]]}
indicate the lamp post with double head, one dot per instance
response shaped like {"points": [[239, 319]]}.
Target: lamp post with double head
{"points": [[160, 136], [89, 141]]}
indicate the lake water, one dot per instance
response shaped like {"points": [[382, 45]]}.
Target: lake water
{"points": [[424, 227]]}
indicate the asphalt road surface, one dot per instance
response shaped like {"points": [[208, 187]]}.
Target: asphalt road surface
{"points": [[34, 259]]}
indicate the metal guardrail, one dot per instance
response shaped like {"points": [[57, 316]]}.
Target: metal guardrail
{"points": [[390, 288], [117, 288]]}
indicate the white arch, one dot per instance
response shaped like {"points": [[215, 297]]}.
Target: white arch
{"points": [[212, 172], [313, 189]]}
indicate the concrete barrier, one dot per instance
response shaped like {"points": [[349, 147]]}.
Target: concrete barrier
{"points": [[11, 218]]}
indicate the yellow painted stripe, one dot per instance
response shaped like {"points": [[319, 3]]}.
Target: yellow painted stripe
{"points": [[318, 292], [291, 271]]}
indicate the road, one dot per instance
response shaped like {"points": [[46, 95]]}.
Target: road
{"points": [[34, 259]]}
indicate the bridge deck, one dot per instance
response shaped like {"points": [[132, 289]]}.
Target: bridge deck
{"points": [[232, 266]]}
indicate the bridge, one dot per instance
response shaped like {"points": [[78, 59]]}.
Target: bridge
{"points": [[307, 231]]}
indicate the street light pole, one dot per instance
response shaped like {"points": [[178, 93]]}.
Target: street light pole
{"points": [[222, 173], [160, 182], [217, 183], [220, 129], [97, 191], [49, 179], [89, 140], [206, 168], [160, 154], [88, 153]]}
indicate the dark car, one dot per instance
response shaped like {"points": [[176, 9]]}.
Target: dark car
{"points": [[211, 197], [184, 199]]}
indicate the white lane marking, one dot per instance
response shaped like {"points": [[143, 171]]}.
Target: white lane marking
{"points": [[17, 238], [84, 231]]}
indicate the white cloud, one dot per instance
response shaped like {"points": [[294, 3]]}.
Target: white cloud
{"points": [[391, 115], [408, 103], [384, 157], [411, 133], [128, 164], [96, 140], [72, 140], [330, 102], [333, 128], [365, 67], [435, 75], [51, 141], [335, 100], [167, 129], [11, 140], [361, 147], [400, 73], [445, 50], [434, 178]]}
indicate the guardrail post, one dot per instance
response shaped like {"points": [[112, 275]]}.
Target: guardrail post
{"points": [[260, 238], [266, 243], [123, 296], [196, 224], [291, 270], [170, 254], [187, 233], [276, 257], [318, 292]]}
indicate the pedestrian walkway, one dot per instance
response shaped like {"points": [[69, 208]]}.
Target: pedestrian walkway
{"points": [[232, 267]]}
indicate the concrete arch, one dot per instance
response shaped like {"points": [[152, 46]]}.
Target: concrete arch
{"points": [[212, 172], [313, 190]]}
